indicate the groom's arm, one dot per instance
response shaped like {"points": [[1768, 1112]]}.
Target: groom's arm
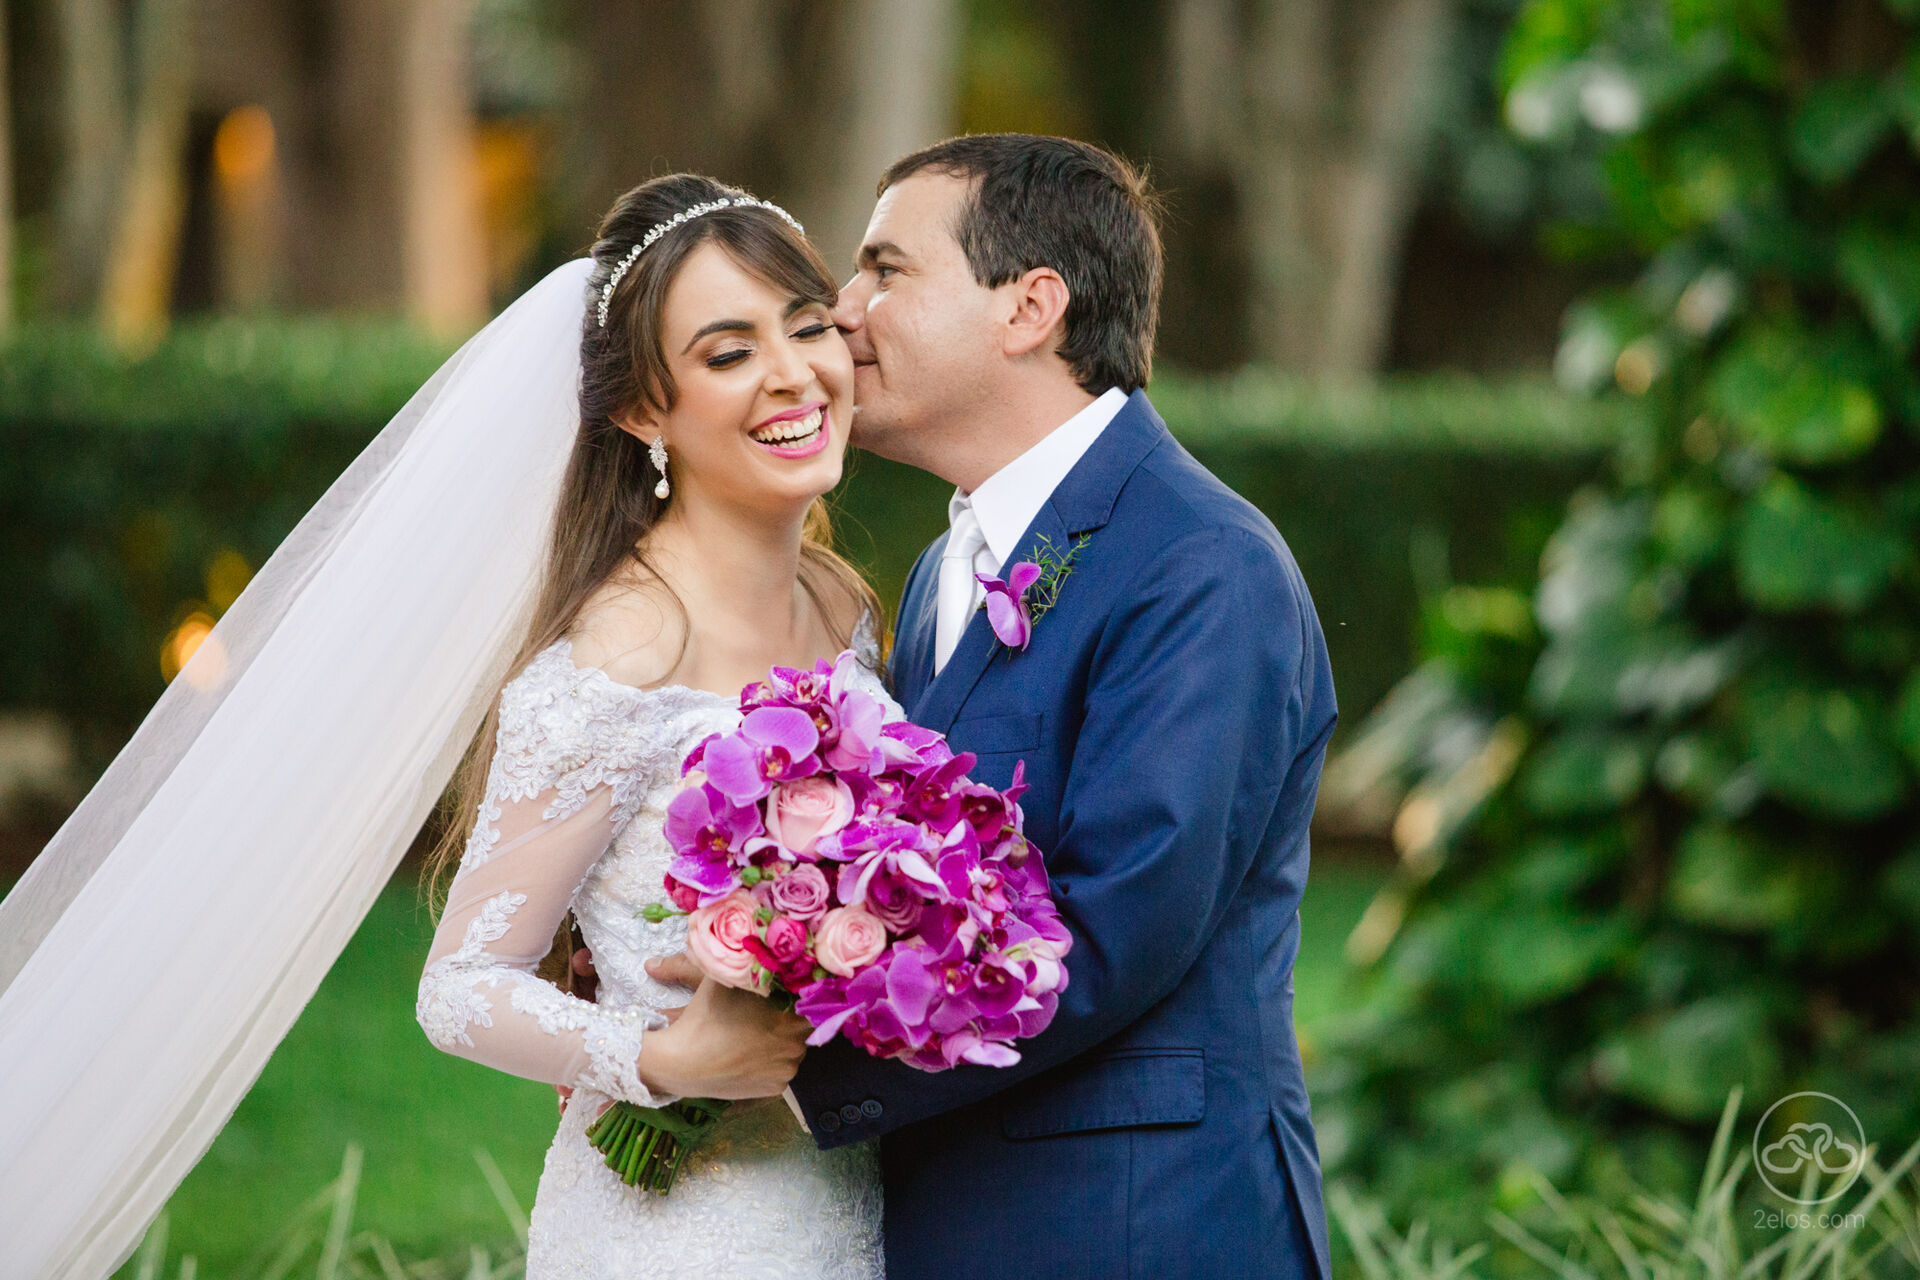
{"points": [[1195, 711]]}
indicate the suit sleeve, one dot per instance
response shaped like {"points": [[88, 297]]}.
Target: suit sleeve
{"points": [[1194, 713]]}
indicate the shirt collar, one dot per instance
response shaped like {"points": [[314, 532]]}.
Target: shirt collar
{"points": [[1006, 502]]}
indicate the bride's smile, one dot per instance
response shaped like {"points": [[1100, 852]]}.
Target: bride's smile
{"points": [[794, 434]]}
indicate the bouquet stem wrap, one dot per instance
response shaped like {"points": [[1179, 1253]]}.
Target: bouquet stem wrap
{"points": [[645, 1145]]}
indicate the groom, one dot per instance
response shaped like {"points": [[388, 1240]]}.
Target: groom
{"points": [[1172, 708]]}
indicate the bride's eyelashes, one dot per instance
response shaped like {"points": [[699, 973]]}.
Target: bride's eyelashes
{"points": [[728, 359]]}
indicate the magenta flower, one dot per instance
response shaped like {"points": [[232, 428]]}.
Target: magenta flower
{"points": [[773, 744], [709, 833], [853, 742], [783, 952], [908, 746], [933, 798], [1007, 610]]}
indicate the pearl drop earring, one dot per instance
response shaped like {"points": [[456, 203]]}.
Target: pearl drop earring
{"points": [[657, 452]]}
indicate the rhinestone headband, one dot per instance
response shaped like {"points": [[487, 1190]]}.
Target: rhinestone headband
{"points": [[685, 215]]}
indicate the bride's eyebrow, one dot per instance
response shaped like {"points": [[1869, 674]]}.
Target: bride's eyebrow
{"points": [[741, 326]]}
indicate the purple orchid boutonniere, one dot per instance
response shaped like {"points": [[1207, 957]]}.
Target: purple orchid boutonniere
{"points": [[1031, 588]]}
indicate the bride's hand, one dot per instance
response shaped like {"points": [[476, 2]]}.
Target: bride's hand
{"points": [[724, 1044]]}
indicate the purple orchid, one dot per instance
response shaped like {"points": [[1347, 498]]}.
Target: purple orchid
{"points": [[1007, 609], [854, 743], [709, 832], [933, 798], [773, 744], [905, 745]]}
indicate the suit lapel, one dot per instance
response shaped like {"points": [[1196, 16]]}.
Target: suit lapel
{"points": [[1080, 504]]}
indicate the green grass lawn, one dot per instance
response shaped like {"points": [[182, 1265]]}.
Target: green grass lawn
{"points": [[356, 1068]]}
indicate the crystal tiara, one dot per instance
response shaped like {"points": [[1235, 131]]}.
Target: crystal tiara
{"points": [[685, 215]]}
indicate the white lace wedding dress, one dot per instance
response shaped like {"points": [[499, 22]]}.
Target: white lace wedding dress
{"points": [[572, 818]]}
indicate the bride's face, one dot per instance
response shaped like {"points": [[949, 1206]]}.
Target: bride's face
{"points": [[764, 388]]}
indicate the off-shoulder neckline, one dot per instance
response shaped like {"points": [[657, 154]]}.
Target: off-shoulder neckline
{"points": [[565, 645]]}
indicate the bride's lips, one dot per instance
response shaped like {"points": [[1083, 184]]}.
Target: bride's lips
{"points": [[806, 446]]}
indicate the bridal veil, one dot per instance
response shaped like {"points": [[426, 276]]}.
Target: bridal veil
{"points": [[172, 931]]}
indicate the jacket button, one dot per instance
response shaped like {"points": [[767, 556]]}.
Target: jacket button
{"points": [[829, 1121], [850, 1114], [871, 1108]]}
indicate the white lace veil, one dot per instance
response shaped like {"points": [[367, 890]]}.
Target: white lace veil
{"points": [[172, 931]]}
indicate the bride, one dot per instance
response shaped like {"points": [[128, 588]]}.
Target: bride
{"points": [[545, 580], [714, 402]]}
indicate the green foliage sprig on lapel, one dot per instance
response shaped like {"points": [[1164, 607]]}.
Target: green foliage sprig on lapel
{"points": [[1055, 566]]}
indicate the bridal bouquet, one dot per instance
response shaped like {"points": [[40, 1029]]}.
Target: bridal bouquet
{"points": [[845, 863]]}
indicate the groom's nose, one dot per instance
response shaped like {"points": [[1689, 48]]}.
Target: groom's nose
{"points": [[850, 312]]}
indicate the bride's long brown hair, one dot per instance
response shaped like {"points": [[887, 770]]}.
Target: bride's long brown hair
{"points": [[607, 504]]}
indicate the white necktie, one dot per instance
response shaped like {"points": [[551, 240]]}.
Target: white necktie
{"points": [[954, 602]]}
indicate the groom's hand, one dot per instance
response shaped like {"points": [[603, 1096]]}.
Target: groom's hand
{"points": [[676, 969], [724, 1044]]}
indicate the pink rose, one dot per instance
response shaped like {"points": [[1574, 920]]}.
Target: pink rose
{"points": [[784, 953], [683, 896], [716, 934], [848, 939], [800, 893], [801, 811]]}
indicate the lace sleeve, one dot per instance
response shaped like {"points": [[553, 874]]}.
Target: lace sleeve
{"points": [[572, 760]]}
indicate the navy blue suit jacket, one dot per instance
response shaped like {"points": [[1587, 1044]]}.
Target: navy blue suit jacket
{"points": [[1173, 709]]}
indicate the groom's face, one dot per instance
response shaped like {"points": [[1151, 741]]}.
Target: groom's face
{"points": [[922, 330]]}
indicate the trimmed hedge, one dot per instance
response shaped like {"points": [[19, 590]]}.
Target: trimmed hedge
{"points": [[126, 481]]}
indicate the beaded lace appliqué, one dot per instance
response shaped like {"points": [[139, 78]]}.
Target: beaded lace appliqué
{"points": [[572, 730], [449, 998]]}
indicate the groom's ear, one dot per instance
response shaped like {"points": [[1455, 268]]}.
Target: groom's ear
{"points": [[1038, 315]]}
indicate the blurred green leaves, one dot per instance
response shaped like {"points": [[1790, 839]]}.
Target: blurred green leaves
{"points": [[1838, 125], [1797, 549], [1821, 748], [1725, 690], [1800, 399]]}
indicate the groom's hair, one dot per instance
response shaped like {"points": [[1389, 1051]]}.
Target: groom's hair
{"points": [[1053, 202]]}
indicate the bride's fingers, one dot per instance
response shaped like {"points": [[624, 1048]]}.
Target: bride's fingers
{"points": [[678, 967], [583, 963]]}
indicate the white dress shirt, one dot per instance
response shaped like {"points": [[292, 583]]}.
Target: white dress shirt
{"points": [[1004, 505]]}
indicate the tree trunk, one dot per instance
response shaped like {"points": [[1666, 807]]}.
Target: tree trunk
{"points": [[898, 62], [92, 120], [726, 88], [666, 87], [445, 255], [6, 184], [138, 286], [1318, 113]]}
